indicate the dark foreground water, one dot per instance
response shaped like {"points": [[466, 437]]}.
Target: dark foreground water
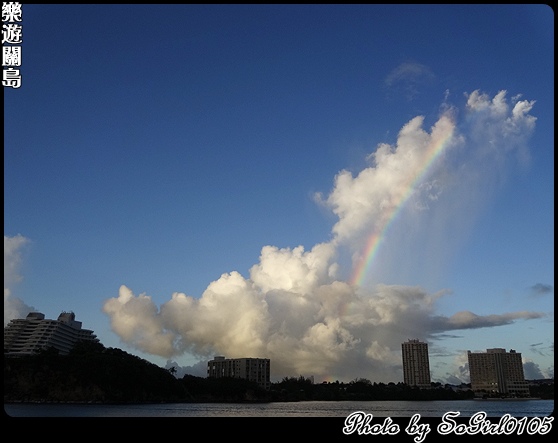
{"points": [[466, 408], [316, 421]]}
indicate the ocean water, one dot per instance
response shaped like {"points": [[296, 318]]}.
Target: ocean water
{"points": [[433, 409]]}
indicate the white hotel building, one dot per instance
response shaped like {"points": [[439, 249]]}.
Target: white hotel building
{"points": [[33, 333]]}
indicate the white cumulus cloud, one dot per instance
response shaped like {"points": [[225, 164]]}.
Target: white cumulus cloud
{"points": [[298, 309]]}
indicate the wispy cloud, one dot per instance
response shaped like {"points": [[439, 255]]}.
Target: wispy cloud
{"points": [[408, 77], [541, 289], [541, 349], [469, 320]]}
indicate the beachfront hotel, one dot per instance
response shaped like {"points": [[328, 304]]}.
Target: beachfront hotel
{"points": [[26, 336], [252, 369], [497, 372], [416, 366]]}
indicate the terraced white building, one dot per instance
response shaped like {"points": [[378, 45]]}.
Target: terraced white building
{"points": [[33, 333]]}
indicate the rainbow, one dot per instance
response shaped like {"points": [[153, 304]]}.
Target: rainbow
{"points": [[437, 145]]}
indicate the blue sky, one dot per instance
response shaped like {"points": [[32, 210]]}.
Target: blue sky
{"points": [[200, 180]]}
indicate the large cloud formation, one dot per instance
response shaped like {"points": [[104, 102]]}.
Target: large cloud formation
{"points": [[294, 307]]}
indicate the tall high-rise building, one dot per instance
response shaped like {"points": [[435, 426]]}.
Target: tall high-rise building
{"points": [[416, 366], [497, 372], [33, 333], [252, 369]]}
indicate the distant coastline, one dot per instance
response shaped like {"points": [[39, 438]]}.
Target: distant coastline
{"points": [[93, 374], [89, 402], [506, 398]]}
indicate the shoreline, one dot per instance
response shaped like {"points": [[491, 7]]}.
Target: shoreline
{"points": [[82, 403]]}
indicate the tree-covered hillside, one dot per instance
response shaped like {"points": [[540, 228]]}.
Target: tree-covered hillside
{"points": [[90, 373]]}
